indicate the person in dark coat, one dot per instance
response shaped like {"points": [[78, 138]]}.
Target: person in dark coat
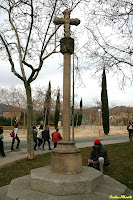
{"points": [[130, 130], [1, 142], [98, 157], [46, 137], [35, 137]]}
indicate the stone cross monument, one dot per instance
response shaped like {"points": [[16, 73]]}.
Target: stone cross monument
{"points": [[67, 48], [66, 158]]}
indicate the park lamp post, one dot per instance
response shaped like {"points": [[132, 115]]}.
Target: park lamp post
{"points": [[73, 113], [99, 114]]}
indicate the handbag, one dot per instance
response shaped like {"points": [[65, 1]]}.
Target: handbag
{"points": [[12, 134]]}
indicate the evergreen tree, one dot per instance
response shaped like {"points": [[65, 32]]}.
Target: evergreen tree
{"points": [[104, 100], [47, 105], [75, 119], [80, 114], [57, 110], [39, 119], [5, 121], [81, 104], [21, 120]]}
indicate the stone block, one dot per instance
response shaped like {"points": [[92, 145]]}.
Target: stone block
{"points": [[3, 192], [67, 45], [89, 184], [42, 180]]}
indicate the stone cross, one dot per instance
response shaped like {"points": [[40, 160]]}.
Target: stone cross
{"points": [[66, 48], [67, 22]]}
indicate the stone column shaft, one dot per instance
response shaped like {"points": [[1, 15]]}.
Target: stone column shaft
{"points": [[66, 158], [66, 97]]}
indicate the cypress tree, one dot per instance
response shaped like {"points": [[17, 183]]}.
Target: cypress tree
{"points": [[57, 110], [80, 114], [104, 100], [47, 105], [81, 104], [75, 119]]}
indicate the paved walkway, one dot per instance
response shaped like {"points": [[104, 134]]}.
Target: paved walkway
{"points": [[16, 155]]}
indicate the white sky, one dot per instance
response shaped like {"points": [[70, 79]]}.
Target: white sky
{"points": [[89, 91]]}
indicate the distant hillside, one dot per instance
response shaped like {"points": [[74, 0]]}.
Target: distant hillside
{"points": [[119, 108], [3, 107]]}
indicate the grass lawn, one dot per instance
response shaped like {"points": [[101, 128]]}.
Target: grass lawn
{"points": [[120, 156]]}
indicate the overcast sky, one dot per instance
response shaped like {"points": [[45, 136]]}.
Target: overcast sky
{"points": [[89, 91]]}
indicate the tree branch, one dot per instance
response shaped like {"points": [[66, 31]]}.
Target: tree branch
{"points": [[42, 51], [111, 55], [29, 30], [10, 58], [28, 65], [19, 45], [51, 37], [50, 53]]}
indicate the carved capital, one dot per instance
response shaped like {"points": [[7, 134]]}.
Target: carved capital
{"points": [[67, 45]]}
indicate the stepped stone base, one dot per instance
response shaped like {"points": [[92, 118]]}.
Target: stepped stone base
{"points": [[44, 181], [90, 184]]}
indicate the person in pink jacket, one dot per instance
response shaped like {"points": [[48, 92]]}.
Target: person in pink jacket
{"points": [[56, 136]]}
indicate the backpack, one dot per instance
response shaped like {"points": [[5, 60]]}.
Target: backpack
{"points": [[130, 127], [39, 134], [12, 134], [1, 136]]}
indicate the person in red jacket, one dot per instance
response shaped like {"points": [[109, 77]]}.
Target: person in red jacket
{"points": [[56, 136]]}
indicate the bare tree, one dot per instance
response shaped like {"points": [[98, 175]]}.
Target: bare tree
{"points": [[15, 98], [110, 27], [26, 37]]}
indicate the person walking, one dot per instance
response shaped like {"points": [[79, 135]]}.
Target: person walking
{"points": [[39, 136], [35, 137], [1, 142], [130, 130], [46, 137], [15, 137], [98, 157], [56, 137]]}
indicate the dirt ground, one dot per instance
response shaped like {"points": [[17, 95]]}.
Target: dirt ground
{"points": [[94, 131], [85, 131]]}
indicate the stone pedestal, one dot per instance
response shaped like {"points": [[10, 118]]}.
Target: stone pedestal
{"points": [[42, 180], [66, 158], [42, 184]]}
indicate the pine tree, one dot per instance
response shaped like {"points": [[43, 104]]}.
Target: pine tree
{"points": [[47, 105], [104, 100], [57, 110]]}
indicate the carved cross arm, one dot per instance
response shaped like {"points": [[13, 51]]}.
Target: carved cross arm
{"points": [[75, 22], [58, 20]]}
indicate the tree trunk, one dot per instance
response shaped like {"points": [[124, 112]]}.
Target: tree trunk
{"points": [[30, 149]]}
